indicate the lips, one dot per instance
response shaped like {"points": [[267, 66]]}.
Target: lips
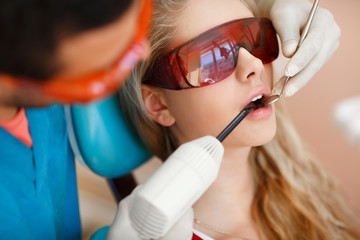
{"points": [[260, 92], [262, 112]]}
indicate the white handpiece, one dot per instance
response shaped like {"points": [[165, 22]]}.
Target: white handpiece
{"points": [[159, 203]]}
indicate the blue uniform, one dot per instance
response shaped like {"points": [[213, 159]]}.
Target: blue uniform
{"points": [[38, 189]]}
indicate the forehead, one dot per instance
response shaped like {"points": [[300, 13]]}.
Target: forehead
{"points": [[202, 15]]}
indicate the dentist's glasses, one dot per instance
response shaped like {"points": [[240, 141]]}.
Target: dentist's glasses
{"points": [[212, 56], [97, 84]]}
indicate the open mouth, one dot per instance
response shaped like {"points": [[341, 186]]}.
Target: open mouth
{"points": [[258, 97], [256, 102]]}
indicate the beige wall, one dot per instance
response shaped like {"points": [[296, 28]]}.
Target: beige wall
{"points": [[313, 106]]}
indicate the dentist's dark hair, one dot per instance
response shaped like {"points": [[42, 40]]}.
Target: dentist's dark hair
{"points": [[30, 30]]}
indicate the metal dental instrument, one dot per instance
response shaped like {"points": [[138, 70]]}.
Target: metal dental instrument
{"points": [[269, 100], [304, 33]]}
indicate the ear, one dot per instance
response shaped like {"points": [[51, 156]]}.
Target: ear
{"points": [[156, 106]]}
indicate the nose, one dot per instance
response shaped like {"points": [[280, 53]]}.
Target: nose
{"points": [[248, 66]]}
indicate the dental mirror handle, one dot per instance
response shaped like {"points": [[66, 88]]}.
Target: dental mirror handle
{"points": [[234, 123], [308, 23]]}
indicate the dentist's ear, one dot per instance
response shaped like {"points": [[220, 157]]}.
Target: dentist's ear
{"points": [[156, 106]]}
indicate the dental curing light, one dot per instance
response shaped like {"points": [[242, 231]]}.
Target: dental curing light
{"points": [[160, 202]]}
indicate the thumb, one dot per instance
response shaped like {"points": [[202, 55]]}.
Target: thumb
{"points": [[288, 18], [289, 34]]}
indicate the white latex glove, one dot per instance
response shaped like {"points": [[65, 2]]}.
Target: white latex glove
{"points": [[288, 18], [121, 228]]}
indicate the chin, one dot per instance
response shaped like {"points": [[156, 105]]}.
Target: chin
{"points": [[262, 139], [252, 136]]}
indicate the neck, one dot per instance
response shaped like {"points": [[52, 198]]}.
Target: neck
{"points": [[230, 196], [227, 203], [7, 112]]}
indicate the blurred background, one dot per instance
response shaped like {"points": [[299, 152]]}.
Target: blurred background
{"points": [[312, 108], [312, 112]]}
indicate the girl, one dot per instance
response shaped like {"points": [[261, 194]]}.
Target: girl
{"points": [[209, 59]]}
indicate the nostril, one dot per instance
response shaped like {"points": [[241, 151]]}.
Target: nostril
{"points": [[243, 45], [250, 74]]}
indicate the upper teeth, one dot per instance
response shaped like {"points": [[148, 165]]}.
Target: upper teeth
{"points": [[257, 97]]}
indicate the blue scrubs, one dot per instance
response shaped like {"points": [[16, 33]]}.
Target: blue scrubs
{"points": [[38, 189]]}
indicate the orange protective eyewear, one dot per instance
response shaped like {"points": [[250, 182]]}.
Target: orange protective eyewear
{"points": [[98, 84]]}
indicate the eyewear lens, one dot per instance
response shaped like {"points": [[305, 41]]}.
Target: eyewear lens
{"points": [[212, 56]]}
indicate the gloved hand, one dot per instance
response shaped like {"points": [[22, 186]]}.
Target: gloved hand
{"points": [[121, 228], [288, 18]]}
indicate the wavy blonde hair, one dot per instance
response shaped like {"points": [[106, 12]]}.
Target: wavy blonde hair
{"points": [[295, 197]]}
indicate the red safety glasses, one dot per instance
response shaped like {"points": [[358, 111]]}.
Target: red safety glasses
{"points": [[97, 84], [212, 56]]}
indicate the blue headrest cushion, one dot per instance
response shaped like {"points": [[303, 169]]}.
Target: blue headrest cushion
{"points": [[106, 142]]}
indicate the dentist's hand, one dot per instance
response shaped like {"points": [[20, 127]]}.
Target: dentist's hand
{"points": [[288, 17]]}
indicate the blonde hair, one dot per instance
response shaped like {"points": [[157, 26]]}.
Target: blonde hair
{"points": [[295, 197]]}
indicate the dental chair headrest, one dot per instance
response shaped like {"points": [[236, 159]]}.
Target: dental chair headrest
{"points": [[102, 139]]}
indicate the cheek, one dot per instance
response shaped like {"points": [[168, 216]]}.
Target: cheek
{"points": [[207, 111], [200, 112]]}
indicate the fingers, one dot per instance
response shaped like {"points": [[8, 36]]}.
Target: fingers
{"points": [[288, 17], [279, 86], [319, 45], [324, 34], [289, 36], [300, 79], [305, 54]]}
